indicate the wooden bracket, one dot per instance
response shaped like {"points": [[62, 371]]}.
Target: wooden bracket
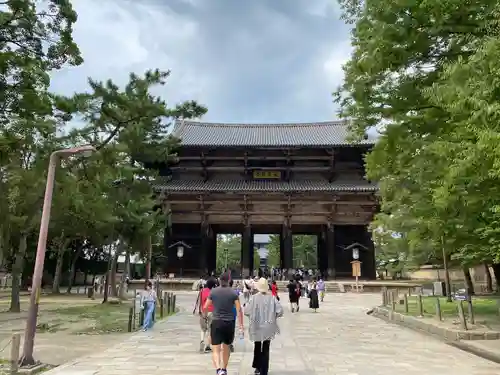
{"points": [[245, 165], [204, 172], [331, 164]]}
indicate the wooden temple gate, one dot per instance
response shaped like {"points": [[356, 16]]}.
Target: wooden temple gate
{"points": [[268, 178]]}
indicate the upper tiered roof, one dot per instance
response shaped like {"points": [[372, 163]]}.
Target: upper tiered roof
{"points": [[315, 134]]}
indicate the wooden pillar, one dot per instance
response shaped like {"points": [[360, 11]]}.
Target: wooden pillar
{"points": [[212, 252], [330, 250], [246, 251], [322, 253], [205, 248], [282, 251], [287, 247]]}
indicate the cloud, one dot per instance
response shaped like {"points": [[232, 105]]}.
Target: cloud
{"points": [[248, 61]]}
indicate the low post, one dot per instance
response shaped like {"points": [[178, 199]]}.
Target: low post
{"points": [[393, 302], [461, 315], [141, 316], [405, 303], [134, 315], [439, 313], [420, 305], [161, 308], [130, 318], [470, 310], [173, 303], [169, 303], [14, 353], [384, 296]]}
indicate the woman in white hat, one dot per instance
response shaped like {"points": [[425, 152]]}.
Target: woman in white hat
{"points": [[263, 311]]}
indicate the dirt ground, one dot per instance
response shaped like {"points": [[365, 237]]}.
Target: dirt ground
{"points": [[69, 326]]}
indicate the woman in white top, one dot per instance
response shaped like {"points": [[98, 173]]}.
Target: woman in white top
{"points": [[148, 302], [263, 311]]}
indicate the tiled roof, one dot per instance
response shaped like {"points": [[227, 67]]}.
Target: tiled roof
{"points": [[318, 134], [264, 186]]}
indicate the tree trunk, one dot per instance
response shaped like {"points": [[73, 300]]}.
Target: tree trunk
{"points": [[17, 269], [489, 280], [123, 284], [58, 272], [106, 279], [72, 270], [112, 275], [496, 272], [149, 250], [468, 281]]}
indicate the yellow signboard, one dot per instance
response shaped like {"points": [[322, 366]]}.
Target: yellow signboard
{"points": [[356, 268], [267, 175]]}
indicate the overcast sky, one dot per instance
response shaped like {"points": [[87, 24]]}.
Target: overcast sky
{"points": [[246, 60]]}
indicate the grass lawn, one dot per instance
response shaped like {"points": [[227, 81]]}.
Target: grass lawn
{"points": [[101, 318], [482, 307]]}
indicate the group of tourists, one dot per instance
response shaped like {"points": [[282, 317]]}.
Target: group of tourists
{"points": [[221, 315], [314, 290]]}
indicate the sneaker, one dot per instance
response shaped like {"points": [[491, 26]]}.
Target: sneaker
{"points": [[231, 348], [256, 372], [298, 308], [202, 346], [208, 349], [222, 371], [293, 310]]}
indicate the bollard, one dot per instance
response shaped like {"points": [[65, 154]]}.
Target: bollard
{"points": [[439, 313], [134, 315], [170, 303], [420, 306], [461, 315], [161, 308], [14, 353], [173, 303], [384, 296], [141, 316], [405, 303], [130, 319]]}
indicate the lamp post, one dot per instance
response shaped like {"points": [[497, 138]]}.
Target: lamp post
{"points": [[31, 321], [180, 254]]}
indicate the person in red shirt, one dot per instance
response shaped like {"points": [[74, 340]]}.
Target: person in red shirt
{"points": [[274, 290], [206, 320]]}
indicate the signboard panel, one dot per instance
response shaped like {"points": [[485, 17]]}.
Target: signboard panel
{"points": [[267, 175], [356, 268]]}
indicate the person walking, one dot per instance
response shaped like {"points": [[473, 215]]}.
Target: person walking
{"points": [[222, 330], [293, 296], [263, 311], [274, 290], [313, 297], [148, 303], [205, 318], [321, 289]]}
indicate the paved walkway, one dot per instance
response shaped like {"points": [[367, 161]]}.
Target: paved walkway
{"points": [[339, 339]]}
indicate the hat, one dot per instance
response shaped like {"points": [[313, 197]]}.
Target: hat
{"points": [[262, 285]]}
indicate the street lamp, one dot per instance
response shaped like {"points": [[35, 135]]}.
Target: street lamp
{"points": [[180, 254], [29, 334], [355, 253]]}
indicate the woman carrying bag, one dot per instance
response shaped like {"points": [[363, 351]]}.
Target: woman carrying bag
{"points": [[263, 311]]}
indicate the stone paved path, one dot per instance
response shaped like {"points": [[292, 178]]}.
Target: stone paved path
{"points": [[339, 339]]}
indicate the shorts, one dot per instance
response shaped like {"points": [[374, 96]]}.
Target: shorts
{"points": [[205, 323], [222, 332]]}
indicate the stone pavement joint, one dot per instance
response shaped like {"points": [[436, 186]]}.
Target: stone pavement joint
{"points": [[338, 340]]}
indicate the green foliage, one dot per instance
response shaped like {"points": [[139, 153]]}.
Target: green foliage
{"points": [[425, 71]]}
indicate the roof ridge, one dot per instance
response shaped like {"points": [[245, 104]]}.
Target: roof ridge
{"points": [[260, 125]]}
